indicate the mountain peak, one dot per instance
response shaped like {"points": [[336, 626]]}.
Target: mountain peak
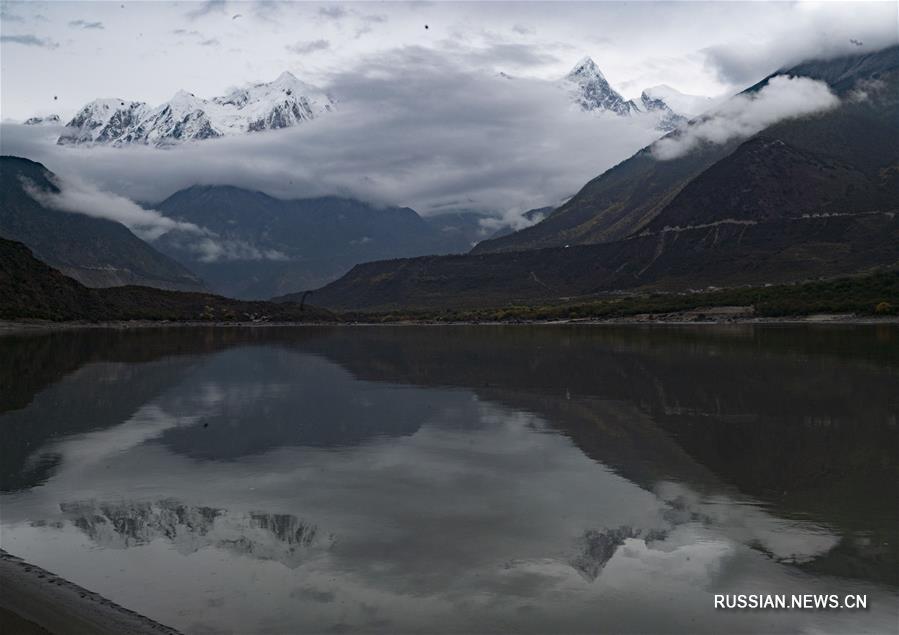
{"points": [[591, 91], [47, 120], [585, 69], [679, 102], [183, 96], [282, 103], [286, 78]]}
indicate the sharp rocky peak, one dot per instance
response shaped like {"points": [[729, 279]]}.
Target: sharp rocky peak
{"points": [[286, 77], [591, 90], [586, 69]]}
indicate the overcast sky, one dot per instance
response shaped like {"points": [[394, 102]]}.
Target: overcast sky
{"points": [[424, 119], [76, 51]]}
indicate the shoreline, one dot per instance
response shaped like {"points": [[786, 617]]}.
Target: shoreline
{"points": [[692, 318], [34, 600]]}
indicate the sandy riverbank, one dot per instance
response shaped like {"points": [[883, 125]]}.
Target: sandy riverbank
{"points": [[33, 600]]}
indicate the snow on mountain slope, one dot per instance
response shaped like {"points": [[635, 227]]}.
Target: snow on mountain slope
{"points": [[49, 120], [681, 103], [282, 103], [668, 119], [590, 90]]}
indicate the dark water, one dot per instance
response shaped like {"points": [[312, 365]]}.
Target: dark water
{"points": [[456, 479]]}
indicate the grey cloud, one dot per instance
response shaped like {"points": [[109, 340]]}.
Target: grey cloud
{"points": [[746, 114], [517, 54], [303, 48], [507, 54], [84, 24], [865, 89], [367, 22], [81, 197], [78, 196], [736, 66], [333, 12], [201, 39], [414, 127], [267, 10], [523, 30], [10, 17], [29, 40], [206, 8], [815, 36]]}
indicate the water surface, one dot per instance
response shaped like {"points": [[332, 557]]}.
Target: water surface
{"points": [[458, 479]]}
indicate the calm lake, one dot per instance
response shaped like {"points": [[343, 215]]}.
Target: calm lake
{"points": [[577, 479]]}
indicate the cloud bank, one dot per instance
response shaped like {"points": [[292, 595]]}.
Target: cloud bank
{"points": [[806, 30], [29, 39], [80, 197], [744, 115], [413, 128]]}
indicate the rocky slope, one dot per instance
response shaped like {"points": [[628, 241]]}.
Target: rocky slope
{"points": [[29, 289], [95, 251], [860, 135], [720, 255]]}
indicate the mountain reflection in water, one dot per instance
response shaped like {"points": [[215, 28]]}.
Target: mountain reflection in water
{"points": [[458, 479], [280, 537]]}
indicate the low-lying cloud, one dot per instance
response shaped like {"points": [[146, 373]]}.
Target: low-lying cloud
{"points": [[744, 115], [413, 128], [806, 30], [79, 197]]}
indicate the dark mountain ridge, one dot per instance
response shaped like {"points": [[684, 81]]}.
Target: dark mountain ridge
{"points": [[803, 199], [721, 255], [626, 198], [95, 251], [289, 244], [30, 289]]}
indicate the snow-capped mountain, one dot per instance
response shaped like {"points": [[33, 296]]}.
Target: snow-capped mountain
{"points": [[590, 90], [282, 103], [681, 103], [49, 120], [668, 119], [282, 538]]}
